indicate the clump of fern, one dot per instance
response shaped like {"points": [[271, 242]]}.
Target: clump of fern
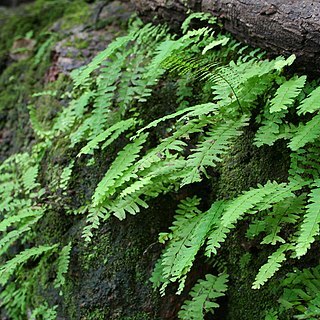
{"points": [[238, 87], [20, 211]]}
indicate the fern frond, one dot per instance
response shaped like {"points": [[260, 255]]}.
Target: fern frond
{"points": [[190, 112], [218, 233], [172, 143], [301, 292], [273, 128], [130, 204], [286, 93], [189, 232], [208, 152], [285, 212], [81, 76], [306, 133], [93, 222], [310, 224], [24, 213], [112, 133], [7, 240], [66, 176], [272, 266], [72, 113], [7, 270], [305, 163], [44, 311], [197, 15], [124, 160], [311, 103], [204, 295], [63, 266], [29, 178], [248, 200]]}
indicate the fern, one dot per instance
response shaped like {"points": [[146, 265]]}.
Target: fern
{"points": [[112, 133], [301, 292], [66, 176], [81, 76], [29, 178], [24, 213], [197, 15], [125, 159], [272, 266], [218, 233], [45, 312], [189, 232], [273, 128], [306, 133], [283, 213], [311, 103], [93, 222], [7, 270], [63, 265], [216, 143], [310, 224], [286, 94], [12, 236], [204, 295], [249, 199]]}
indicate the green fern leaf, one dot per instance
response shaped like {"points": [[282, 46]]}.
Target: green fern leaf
{"points": [[208, 152], [10, 238], [66, 176], [63, 265], [283, 213], [189, 232], [82, 75], [218, 233], [130, 204], [248, 200], [112, 133], [93, 222], [311, 103], [204, 295], [271, 267], [29, 178], [286, 93], [306, 133], [7, 270], [124, 160], [310, 224], [24, 213]]}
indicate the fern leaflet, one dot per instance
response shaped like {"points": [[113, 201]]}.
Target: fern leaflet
{"points": [[204, 294]]}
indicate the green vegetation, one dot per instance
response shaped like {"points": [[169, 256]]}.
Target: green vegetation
{"points": [[223, 91]]}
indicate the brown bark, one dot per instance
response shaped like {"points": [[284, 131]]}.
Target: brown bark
{"points": [[279, 26]]}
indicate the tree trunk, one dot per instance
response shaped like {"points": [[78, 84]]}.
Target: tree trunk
{"points": [[280, 27]]}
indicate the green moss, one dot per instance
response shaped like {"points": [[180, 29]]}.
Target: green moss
{"points": [[246, 166], [38, 17], [138, 316]]}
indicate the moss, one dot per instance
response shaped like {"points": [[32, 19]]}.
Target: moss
{"points": [[246, 166], [138, 316]]}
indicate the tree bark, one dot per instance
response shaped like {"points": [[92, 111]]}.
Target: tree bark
{"points": [[279, 26]]}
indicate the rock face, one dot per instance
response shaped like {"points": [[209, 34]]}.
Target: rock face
{"points": [[109, 278], [13, 3]]}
